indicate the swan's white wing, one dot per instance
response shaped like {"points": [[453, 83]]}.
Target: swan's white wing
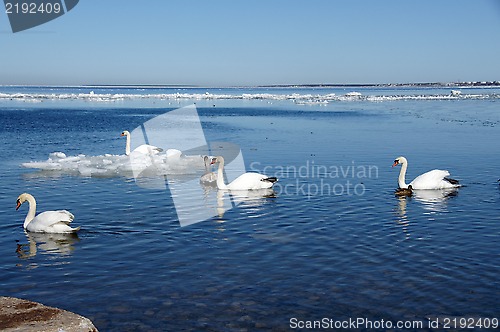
{"points": [[50, 221], [209, 178], [432, 180], [147, 149], [250, 181], [173, 153]]}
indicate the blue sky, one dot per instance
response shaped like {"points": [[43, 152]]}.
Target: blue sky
{"points": [[232, 42]]}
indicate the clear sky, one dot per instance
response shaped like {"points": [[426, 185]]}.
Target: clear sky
{"points": [[236, 42]]}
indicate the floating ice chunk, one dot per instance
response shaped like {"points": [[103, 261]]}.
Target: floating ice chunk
{"points": [[47, 165], [85, 171], [71, 159], [57, 155], [137, 164], [208, 95]]}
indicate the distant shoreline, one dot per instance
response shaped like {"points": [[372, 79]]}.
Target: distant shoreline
{"points": [[429, 84]]}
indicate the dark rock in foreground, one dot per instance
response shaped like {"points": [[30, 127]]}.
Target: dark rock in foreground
{"points": [[23, 315]]}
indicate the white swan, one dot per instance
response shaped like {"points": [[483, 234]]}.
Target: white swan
{"points": [[48, 221], [209, 178], [435, 179], [144, 148], [246, 181], [173, 153]]}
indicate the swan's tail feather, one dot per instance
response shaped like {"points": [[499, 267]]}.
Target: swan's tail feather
{"points": [[272, 179], [452, 181]]}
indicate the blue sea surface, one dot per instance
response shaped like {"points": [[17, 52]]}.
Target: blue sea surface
{"points": [[333, 241]]}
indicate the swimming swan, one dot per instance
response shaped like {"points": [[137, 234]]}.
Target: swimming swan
{"points": [[435, 179], [246, 181], [48, 221], [144, 148], [209, 178]]}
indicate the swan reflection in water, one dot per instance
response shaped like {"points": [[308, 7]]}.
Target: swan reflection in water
{"points": [[251, 198], [228, 199], [195, 202], [402, 216], [50, 243], [431, 200], [435, 200]]}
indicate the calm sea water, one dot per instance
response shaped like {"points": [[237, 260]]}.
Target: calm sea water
{"points": [[332, 242]]}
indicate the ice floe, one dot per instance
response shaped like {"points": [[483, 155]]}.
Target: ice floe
{"points": [[109, 165]]}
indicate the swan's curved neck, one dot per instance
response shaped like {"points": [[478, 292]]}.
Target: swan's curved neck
{"points": [[32, 211], [402, 175], [205, 161], [127, 147], [220, 174]]}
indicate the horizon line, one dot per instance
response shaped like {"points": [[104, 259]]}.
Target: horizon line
{"points": [[290, 85]]}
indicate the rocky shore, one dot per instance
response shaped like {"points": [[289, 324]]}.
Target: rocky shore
{"points": [[23, 315]]}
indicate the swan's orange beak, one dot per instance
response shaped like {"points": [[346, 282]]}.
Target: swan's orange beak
{"points": [[18, 204], [396, 163], [214, 160], [122, 134]]}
